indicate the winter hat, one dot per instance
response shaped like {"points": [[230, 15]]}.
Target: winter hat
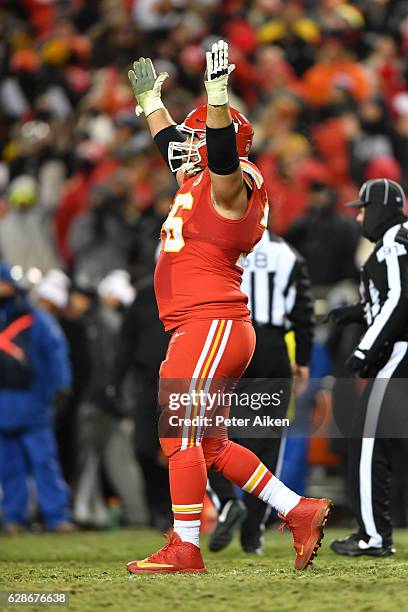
{"points": [[54, 287], [117, 285], [382, 192], [383, 201], [22, 191], [400, 103]]}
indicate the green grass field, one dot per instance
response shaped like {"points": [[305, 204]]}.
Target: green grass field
{"points": [[91, 567]]}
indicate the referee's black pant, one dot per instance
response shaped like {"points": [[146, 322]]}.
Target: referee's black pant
{"points": [[269, 372], [377, 445]]}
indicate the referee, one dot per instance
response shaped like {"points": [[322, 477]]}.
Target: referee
{"points": [[278, 288], [377, 435]]}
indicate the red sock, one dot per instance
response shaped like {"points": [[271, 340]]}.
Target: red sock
{"points": [[243, 468], [188, 480]]}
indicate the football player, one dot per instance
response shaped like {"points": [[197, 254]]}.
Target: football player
{"points": [[219, 212]]}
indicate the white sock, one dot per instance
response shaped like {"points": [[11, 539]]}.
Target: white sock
{"points": [[279, 496], [189, 531]]}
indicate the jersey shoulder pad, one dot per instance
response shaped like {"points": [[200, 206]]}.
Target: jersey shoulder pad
{"points": [[252, 172]]}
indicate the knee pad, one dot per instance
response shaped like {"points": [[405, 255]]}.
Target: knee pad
{"points": [[171, 448], [186, 457]]}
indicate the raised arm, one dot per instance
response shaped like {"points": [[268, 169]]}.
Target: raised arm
{"points": [[146, 86], [228, 190]]}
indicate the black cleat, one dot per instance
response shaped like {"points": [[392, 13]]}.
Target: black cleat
{"points": [[230, 519], [354, 546]]}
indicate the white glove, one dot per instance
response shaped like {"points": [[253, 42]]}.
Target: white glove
{"points": [[146, 86], [217, 73]]}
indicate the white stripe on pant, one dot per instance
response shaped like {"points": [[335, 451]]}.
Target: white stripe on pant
{"points": [[367, 444]]}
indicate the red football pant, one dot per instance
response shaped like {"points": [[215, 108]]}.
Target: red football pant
{"points": [[204, 356]]}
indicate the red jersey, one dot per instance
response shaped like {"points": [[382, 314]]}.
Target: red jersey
{"points": [[198, 275]]}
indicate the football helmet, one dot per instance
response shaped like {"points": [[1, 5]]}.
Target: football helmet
{"points": [[193, 151]]}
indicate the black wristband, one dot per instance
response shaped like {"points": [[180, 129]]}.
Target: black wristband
{"points": [[164, 138], [222, 149]]}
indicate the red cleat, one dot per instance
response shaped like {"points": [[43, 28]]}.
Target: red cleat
{"points": [[175, 556], [306, 522]]}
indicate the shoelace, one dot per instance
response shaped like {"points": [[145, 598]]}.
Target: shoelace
{"points": [[283, 524], [281, 528], [158, 555]]}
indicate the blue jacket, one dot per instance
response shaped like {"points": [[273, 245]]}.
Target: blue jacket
{"points": [[48, 356]]}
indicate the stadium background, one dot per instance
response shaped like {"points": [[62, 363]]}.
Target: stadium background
{"points": [[325, 84]]}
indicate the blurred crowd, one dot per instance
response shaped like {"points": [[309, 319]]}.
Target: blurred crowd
{"points": [[83, 191]]}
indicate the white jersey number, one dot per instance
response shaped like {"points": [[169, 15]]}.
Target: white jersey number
{"points": [[173, 226]]}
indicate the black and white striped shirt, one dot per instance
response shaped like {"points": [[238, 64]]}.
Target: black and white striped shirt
{"points": [[277, 284], [384, 293]]}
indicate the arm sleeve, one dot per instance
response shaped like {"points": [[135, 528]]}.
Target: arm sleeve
{"points": [[222, 150], [164, 138], [302, 314], [391, 320]]}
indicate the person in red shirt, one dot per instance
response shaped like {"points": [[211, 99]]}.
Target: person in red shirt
{"points": [[218, 214]]}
